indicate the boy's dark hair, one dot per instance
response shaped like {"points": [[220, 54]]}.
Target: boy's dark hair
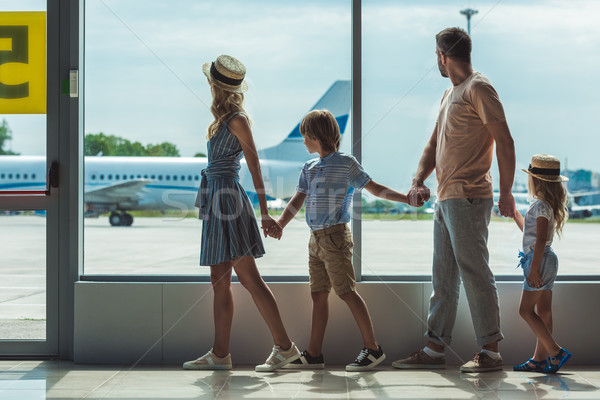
{"points": [[321, 125], [454, 43]]}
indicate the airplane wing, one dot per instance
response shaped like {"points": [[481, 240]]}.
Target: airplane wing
{"points": [[121, 192]]}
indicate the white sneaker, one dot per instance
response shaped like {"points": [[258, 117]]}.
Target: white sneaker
{"points": [[209, 361], [279, 358]]}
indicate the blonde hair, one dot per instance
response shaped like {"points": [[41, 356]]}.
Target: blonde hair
{"points": [[223, 105], [321, 125], [553, 193]]}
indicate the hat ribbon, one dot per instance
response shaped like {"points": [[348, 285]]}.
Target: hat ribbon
{"points": [[543, 171], [222, 78]]}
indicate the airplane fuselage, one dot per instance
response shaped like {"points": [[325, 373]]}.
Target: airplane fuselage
{"points": [[171, 183]]}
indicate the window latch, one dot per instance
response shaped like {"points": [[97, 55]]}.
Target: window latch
{"points": [[53, 174]]}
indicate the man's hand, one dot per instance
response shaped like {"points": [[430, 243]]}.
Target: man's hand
{"points": [[418, 194], [506, 205]]}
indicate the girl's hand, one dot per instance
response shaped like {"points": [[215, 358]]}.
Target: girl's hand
{"points": [[270, 227], [534, 279]]}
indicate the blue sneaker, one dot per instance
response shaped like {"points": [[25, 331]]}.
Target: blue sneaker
{"points": [[562, 357]]}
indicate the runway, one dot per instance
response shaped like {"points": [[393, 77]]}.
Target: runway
{"points": [[171, 246]]}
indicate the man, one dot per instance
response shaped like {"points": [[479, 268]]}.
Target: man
{"points": [[470, 120]]}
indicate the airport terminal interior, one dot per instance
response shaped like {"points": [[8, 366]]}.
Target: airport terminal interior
{"points": [[104, 109]]}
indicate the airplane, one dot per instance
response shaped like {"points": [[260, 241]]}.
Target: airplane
{"points": [[121, 184]]}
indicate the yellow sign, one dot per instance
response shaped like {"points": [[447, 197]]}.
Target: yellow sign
{"points": [[23, 62]]}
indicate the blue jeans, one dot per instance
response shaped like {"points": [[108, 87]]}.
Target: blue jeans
{"points": [[460, 233]]}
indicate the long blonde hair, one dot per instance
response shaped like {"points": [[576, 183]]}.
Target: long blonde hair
{"points": [[553, 193], [223, 105]]}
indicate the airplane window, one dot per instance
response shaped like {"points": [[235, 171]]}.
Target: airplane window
{"points": [[168, 177], [189, 177], [183, 177], [109, 177], [196, 178], [9, 176], [32, 176], [160, 177], [145, 176], [117, 177], [174, 177], [101, 177], [18, 176], [152, 176], [1, 176], [131, 176], [25, 176], [93, 177], [139, 176]]}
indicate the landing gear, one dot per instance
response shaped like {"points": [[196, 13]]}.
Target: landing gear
{"points": [[120, 219]]}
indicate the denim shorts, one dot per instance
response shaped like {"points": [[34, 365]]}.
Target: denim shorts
{"points": [[548, 269]]}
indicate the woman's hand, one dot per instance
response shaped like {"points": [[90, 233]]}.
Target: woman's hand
{"points": [[534, 279], [270, 227]]}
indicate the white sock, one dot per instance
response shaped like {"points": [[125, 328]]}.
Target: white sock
{"points": [[432, 353], [492, 354]]}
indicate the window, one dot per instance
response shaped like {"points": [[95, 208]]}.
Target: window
{"points": [[308, 33], [399, 110], [401, 88]]}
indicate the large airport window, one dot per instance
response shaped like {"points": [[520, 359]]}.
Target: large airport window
{"points": [[294, 53], [548, 107]]}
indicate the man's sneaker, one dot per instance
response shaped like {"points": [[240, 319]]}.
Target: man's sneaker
{"points": [[209, 361], [278, 358], [367, 360], [481, 362], [306, 361], [420, 360]]}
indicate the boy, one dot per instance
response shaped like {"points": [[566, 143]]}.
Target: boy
{"points": [[327, 184]]}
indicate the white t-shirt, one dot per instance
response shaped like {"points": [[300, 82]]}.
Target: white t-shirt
{"points": [[538, 209]]}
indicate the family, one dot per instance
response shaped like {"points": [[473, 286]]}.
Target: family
{"points": [[471, 120]]}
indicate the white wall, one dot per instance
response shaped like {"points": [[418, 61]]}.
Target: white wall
{"points": [[172, 322]]}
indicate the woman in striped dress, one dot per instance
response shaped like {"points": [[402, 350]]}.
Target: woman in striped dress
{"points": [[230, 236]]}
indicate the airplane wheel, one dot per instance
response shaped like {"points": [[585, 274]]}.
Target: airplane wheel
{"points": [[115, 219], [127, 219]]}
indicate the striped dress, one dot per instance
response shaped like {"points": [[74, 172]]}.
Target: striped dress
{"points": [[229, 228]]}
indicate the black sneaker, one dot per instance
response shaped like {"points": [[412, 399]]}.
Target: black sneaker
{"points": [[367, 360], [306, 361]]}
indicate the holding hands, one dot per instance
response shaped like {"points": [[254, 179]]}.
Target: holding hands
{"points": [[418, 194], [270, 227]]}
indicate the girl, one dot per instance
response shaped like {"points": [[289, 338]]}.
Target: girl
{"points": [[545, 216], [230, 235]]}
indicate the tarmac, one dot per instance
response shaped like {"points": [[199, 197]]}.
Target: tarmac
{"points": [[171, 246]]}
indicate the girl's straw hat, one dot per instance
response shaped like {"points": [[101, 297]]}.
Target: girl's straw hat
{"points": [[546, 168], [227, 73]]}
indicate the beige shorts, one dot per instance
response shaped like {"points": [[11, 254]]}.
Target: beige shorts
{"points": [[330, 260]]}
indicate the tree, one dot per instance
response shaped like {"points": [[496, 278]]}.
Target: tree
{"points": [[110, 145], [199, 155], [5, 134]]}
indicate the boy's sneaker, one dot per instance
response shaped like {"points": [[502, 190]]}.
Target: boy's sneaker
{"points": [[278, 358], [481, 362], [367, 360], [306, 361], [209, 361], [420, 360]]}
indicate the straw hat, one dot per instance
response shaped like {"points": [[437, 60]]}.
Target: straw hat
{"points": [[546, 168], [227, 73]]}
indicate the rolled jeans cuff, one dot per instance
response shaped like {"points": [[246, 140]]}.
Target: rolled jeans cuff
{"points": [[485, 340]]}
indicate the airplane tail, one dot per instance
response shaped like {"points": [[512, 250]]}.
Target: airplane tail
{"points": [[337, 100]]}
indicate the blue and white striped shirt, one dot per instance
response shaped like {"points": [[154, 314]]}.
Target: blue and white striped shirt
{"points": [[329, 185]]}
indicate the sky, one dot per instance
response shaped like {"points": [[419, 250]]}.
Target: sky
{"points": [[143, 78]]}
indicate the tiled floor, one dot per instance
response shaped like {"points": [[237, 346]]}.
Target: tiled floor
{"points": [[24, 380]]}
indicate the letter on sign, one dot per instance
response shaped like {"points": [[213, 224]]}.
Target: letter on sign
{"points": [[23, 62]]}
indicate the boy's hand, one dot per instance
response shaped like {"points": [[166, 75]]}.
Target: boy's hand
{"points": [[269, 226], [418, 194]]}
